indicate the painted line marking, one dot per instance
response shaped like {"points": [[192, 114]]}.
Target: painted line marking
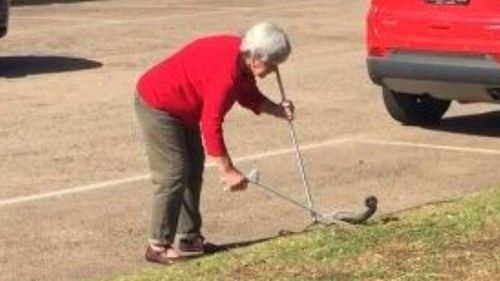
{"points": [[277, 152], [155, 19], [112, 22], [102, 21], [107, 184], [83, 188], [429, 146], [213, 7], [173, 6]]}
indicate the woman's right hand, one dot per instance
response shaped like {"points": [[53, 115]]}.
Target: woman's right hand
{"points": [[234, 180], [230, 176]]}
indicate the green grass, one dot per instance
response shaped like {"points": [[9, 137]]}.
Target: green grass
{"points": [[447, 241]]}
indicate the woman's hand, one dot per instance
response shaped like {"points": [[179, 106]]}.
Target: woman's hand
{"points": [[230, 176], [234, 180], [287, 110], [284, 109]]}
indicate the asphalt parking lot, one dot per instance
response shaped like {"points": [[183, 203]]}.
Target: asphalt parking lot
{"points": [[74, 189]]}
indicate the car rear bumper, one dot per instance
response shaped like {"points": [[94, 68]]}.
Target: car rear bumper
{"points": [[464, 78], [435, 67]]}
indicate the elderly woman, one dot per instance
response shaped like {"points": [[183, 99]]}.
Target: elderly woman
{"points": [[190, 92]]}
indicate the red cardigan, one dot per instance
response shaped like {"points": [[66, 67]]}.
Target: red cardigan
{"points": [[199, 84]]}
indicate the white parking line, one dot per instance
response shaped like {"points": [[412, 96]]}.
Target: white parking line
{"points": [[75, 19], [214, 11], [214, 6], [174, 6], [72, 190], [138, 178], [429, 146], [112, 22], [332, 142]]}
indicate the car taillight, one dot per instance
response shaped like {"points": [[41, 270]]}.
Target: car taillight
{"points": [[378, 52]]}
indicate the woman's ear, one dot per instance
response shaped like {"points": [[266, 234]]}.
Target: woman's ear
{"points": [[247, 54], [254, 61], [247, 59]]}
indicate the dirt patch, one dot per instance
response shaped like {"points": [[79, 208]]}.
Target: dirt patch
{"points": [[395, 254], [477, 259], [292, 272]]}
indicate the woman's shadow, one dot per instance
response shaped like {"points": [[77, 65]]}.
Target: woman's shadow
{"points": [[484, 124], [20, 66]]}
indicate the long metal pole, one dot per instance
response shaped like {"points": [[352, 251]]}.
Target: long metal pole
{"points": [[298, 155], [284, 197]]}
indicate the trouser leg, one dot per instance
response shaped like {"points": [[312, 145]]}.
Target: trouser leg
{"points": [[168, 157], [190, 220]]}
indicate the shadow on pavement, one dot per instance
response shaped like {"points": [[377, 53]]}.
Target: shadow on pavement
{"points": [[217, 248], [485, 124], [20, 66]]}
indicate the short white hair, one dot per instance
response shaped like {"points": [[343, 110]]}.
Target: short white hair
{"points": [[267, 42]]}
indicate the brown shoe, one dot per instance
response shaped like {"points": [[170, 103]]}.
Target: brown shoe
{"points": [[196, 246], [166, 256]]}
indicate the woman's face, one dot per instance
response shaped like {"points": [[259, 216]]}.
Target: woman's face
{"points": [[260, 68]]}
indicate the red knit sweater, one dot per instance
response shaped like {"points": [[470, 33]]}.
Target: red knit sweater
{"points": [[199, 84]]}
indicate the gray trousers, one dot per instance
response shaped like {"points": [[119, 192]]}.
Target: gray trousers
{"points": [[176, 159]]}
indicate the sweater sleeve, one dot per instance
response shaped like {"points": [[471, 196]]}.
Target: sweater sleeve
{"points": [[217, 100], [250, 97]]}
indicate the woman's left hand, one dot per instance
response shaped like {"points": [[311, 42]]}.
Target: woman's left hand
{"points": [[287, 110]]}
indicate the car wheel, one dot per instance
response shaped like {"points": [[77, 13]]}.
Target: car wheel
{"points": [[414, 109]]}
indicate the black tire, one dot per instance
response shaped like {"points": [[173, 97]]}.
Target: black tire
{"points": [[4, 16], [3, 31], [414, 109]]}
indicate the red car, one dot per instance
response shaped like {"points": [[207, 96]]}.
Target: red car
{"points": [[426, 53]]}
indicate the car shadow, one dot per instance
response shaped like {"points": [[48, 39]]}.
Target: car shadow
{"points": [[20, 66], [485, 124]]}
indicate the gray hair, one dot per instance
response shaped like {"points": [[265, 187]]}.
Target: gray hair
{"points": [[266, 42]]}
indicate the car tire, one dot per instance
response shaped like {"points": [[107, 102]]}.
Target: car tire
{"points": [[4, 17], [3, 31], [414, 109]]}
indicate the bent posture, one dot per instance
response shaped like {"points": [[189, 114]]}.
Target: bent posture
{"points": [[181, 103]]}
